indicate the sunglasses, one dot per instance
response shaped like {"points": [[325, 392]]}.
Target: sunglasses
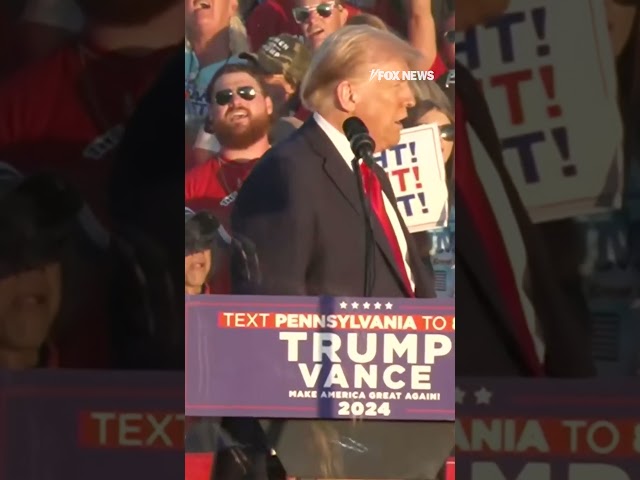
{"points": [[450, 36], [223, 97], [302, 14], [447, 132]]}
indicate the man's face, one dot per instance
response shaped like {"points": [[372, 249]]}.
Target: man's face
{"points": [[280, 91], [203, 16], [239, 122], [620, 22], [317, 28], [477, 12], [124, 12], [29, 303], [382, 105], [196, 269]]}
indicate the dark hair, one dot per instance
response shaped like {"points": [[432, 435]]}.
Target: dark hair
{"points": [[37, 220], [250, 68], [422, 107], [200, 232]]}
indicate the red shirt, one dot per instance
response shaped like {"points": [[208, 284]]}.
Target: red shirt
{"points": [[47, 121], [214, 186], [274, 17], [302, 114], [439, 67]]}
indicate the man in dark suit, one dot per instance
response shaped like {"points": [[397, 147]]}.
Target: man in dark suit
{"points": [[301, 208], [514, 317]]}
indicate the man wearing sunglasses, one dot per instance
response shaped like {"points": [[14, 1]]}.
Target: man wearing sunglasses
{"points": [[240, 118], [319, 20]]}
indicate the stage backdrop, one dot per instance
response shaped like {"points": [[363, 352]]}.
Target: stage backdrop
{"points": [[321, 358], [539, 81]]}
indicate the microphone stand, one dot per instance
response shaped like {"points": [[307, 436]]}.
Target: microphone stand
{"points": [[369, 260]]}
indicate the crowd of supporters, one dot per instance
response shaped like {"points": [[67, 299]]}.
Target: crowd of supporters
{"points": [[240, 104]]}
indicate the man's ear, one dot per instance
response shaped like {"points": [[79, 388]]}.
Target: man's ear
{"points": [[344, 15], [233, 7], [269, 105], [346, 97]]}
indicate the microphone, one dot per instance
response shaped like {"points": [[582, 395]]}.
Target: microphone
{"points": [[362, 145]]}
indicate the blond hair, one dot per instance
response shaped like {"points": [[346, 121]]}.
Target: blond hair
{"points": [[350, 54]]}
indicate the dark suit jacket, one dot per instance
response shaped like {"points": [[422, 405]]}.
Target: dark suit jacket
{"points": [[485, 341], [300, 208]]}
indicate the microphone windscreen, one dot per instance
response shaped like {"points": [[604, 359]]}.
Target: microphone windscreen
{"points": [[353, 126]]}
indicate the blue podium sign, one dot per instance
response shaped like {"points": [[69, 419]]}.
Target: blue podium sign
{"points": [[320, 358]]}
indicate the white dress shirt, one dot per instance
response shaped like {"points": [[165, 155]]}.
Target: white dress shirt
{"points": [[341, 143]]}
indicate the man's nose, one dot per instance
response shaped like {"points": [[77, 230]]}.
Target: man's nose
{"points": [[237, 101], [407, 96], [314, 16]]}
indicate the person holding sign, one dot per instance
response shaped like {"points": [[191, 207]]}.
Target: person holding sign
{"points": [[301, 207], [516, 319]]}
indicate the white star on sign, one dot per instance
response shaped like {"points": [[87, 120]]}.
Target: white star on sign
{"points": [[354, 305], [377, 305], [460, 395], [389, 305], [483, 396], [343, 305], [366, 305]]}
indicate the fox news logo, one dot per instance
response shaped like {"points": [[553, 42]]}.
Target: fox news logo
{"points": [[451, 78], [406, 75]]}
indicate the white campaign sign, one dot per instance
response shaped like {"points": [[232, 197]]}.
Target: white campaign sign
{"points": [[416, 171], [552, 95]]}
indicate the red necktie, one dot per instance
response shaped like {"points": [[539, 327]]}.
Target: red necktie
{"points": [[469, 186], [373, 190]]}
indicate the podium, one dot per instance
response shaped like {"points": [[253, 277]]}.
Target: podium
{"points": [[339, 387]]}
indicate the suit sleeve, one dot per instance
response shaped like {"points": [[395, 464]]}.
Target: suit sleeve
{"points": [[273, 217]]}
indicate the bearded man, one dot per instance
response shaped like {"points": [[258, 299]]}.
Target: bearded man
{"points": [[240, 117]]}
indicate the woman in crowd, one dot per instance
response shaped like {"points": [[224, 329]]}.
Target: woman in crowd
{"points": [[200, 237], [437, 246]]}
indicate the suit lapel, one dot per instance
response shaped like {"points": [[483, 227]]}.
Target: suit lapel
{"points": [[345, 181], [337, 171]]}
